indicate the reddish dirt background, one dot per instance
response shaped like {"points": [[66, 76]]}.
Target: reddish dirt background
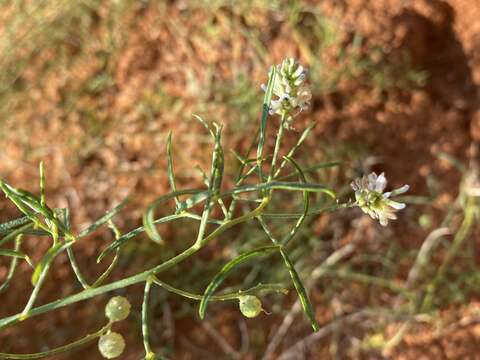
{"points": [[405, 128]]}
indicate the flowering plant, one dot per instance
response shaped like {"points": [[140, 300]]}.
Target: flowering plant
{"points": [[286, 94]]}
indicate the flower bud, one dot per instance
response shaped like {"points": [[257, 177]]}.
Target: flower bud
{"points": [[250, 306], [111, 345], [117, 308]]}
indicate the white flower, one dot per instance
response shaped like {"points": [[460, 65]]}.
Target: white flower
{"points": [[289, 88], [373, 201]]}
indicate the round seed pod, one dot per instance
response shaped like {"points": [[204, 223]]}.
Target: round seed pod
{"points": [[117, 308], [111, 345], [250, 306]]}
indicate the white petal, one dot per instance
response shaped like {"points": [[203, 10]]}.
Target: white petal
{"points": [[381, 183], [372, 181], [299, 80], [298, 72], [400, 190], [396, 205]]}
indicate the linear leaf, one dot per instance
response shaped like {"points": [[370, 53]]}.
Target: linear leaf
{"points": [[9, 225], [280, 185], [265, 110], [41, 169], [218, 162], [171, 174], [185, 206], [223, 273], [302, 293], [26, 198], [25, 229], [46, 260], [204, 123], [215, 181], [15, 254], [148, 216], [13, 264], [197, 198]]}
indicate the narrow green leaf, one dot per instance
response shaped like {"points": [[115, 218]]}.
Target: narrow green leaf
{"points": [[185, 206], [215, 181], [31, 215], [25, 229], [15, 254], [223, 273], [76, 268], [310, 213], [148, 216], [108, 271], [65, 214], [46, 260], [12, 224], [42, 184], [13, 264], [204, 123], [218, 162], [279, 185], [265, 110], [302, 293], [171, 174], [26, 198], [199, 197], [104, 219], [246, 161], [240, 158]]}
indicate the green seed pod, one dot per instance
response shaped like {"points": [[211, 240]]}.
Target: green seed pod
{"points": [[117, 308], [111, 345], [250, 306]]}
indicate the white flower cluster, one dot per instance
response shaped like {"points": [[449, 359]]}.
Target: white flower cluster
{"points": [[373, 201], [290, 88]]}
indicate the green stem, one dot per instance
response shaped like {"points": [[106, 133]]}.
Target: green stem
{"points": [[225, 297], [59, 349], [92, 292], [252, 214], [240, 177], [134, 279], [276, 150], [149, 354], [43, 271], [13, 264]]}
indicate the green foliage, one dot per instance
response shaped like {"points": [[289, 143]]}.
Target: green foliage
{"points": [[55, 223]]}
